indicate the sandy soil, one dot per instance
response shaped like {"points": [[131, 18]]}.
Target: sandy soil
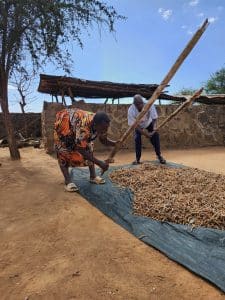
{"points": [[55, 245]]}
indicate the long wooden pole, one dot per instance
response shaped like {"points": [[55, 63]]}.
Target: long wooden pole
{"points": [[181, 107], [163, 84]]}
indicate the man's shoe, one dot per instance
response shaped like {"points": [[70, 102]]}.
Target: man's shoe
{"points": [[162, 160], [136, 162]]}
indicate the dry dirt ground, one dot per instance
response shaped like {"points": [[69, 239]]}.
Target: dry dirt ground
{"points": [[55, 245]]}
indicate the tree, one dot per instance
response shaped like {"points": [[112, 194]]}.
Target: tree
{"points": [[21, 80], [186, 92], [216, 83], [41, 31]]}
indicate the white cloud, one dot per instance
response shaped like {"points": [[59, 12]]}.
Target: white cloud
{"points": [[200, 15], [184, 26], [199, 25], [165, 13], [189, 32], [213, 19], [11, 87], [193, 2]]}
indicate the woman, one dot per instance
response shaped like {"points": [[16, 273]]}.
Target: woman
{"points": [[75, 131]]}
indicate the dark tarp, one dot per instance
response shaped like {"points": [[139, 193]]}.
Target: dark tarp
{"points": [[201, 250]]}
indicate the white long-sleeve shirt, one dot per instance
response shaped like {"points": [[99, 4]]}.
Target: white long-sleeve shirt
{"points": [[146, 120]]}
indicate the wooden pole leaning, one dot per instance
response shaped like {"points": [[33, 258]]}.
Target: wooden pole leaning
{"points": [[181, 107], [163, 84]]}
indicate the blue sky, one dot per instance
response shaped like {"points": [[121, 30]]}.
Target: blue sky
{"points": [[147, 44]]}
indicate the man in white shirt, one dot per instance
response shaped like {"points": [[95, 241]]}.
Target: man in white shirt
{"points": [[146, 127]]}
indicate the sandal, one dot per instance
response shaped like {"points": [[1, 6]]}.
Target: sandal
{"points": [[97, 180], [71, 187]]}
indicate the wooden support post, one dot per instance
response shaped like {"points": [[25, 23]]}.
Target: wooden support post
{"points": [[71, 94], [181, 107], [105, 103], [64, 101], [163, 84], [63, 96]]}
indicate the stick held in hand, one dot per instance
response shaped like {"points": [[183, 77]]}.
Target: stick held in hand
{"points": [[181, 107], [165, 81]]}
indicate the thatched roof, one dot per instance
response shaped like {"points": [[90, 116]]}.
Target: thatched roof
{"points": [[218, 99], [75, 87], [58, 85]]}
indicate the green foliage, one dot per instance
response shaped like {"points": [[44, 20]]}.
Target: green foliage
{"points": [[216, 83], [44, 29], [186, 92]]}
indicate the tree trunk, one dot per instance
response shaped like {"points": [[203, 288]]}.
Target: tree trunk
{"points": [[25, 124], [22, 105], [14, 152]]}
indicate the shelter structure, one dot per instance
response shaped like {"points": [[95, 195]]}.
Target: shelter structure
{"points": [[62, 86]]}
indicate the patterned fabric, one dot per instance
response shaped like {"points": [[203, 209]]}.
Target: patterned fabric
{"points": [[73, 130]]}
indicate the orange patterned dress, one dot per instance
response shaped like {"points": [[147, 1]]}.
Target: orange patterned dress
{"points": [[73, 130]]}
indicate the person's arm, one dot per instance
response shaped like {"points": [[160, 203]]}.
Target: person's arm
{"points": [[106, 141], [89, 156], [131, 116], [150, 134], [154, 116], [154, 124], [142, 131]]}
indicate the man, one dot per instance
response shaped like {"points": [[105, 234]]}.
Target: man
{"points": [[146, 127], [75, 131]]}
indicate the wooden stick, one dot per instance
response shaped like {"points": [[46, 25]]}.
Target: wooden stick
{"points": [[163, 84], [182, 106]]}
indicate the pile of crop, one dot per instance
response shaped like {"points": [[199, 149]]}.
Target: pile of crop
{"points": [[179, 195]]}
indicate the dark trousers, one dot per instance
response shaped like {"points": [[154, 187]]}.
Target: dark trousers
{"points": [[155, 140]]}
